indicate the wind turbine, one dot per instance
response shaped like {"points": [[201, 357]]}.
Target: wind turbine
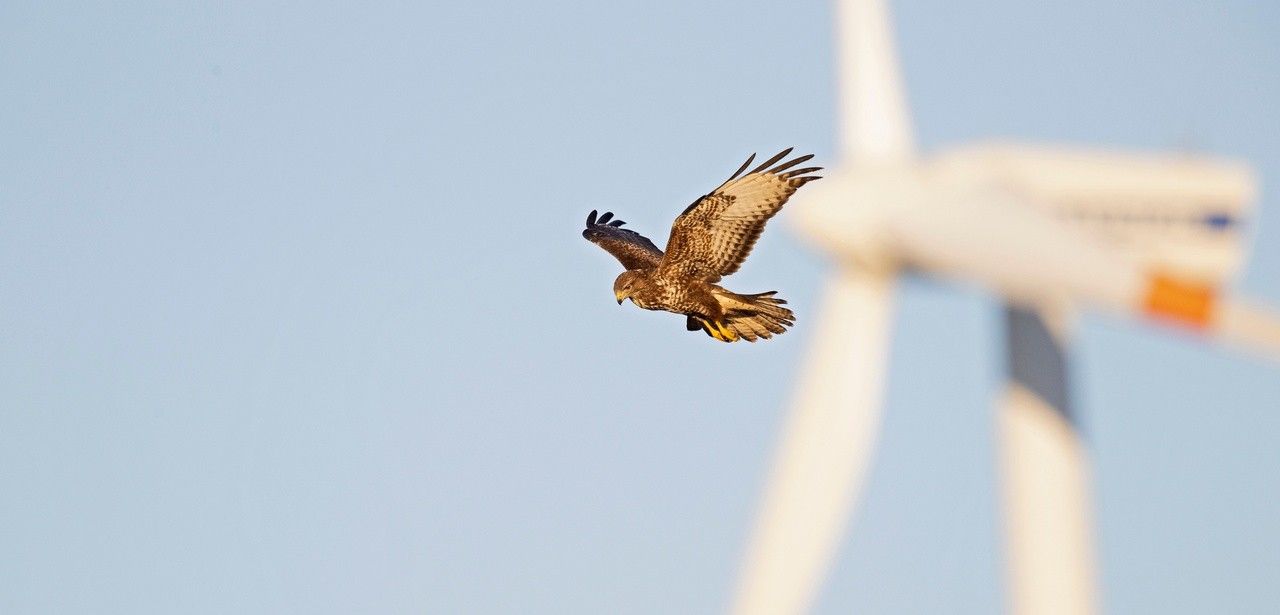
{"points": [[1050, 230]]}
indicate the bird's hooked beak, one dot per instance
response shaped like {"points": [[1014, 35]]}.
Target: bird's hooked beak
{"points": [[620, 296]]}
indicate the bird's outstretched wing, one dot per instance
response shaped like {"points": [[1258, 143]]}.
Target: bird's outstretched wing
{"points": [[716, 233], [632, 249]]}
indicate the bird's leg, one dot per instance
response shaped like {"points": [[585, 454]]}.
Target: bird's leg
{"points": [[714, 329], [726, 334]]}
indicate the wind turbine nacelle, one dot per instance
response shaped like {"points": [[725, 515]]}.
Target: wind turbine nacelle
{"points": [[911, 216], [1180, 213], [1006, 223]]}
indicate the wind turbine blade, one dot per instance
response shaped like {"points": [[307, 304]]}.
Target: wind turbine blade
{"points": [[875, 125], [827, 443], [1198, 306], [1251, 327], [1045, 473]]}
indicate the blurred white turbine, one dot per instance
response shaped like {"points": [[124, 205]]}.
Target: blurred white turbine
{"points": [[1048, 229]]}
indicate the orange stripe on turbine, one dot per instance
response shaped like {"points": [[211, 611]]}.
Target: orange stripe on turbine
{"points": [[1182, 301]]}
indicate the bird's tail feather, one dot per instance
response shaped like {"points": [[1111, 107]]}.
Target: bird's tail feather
{"points": [[756, 326], [749, 317], [765, 304]]}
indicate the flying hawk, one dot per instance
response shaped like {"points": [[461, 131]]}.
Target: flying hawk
{"points": [[709, 240]]}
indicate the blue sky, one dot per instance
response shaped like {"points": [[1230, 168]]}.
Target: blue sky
{"points": [[295, 315]]}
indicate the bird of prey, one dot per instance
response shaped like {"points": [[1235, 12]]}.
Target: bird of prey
{"points": [[708, 241]]}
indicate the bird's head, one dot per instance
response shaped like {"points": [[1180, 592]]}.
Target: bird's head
{"points": [[627, 284]]}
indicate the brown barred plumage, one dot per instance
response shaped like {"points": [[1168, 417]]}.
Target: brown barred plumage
{"points": [[709, 240]]}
